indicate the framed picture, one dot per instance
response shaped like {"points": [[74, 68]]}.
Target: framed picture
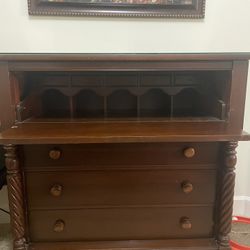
{"points": [[123, 8]]}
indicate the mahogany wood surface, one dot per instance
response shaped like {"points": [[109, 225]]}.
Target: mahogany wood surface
{"points": [[121, 223], [114, 154], [122, 151], [148, 187], [198, 244], [121, 132], [16, 197], [125, 57]]}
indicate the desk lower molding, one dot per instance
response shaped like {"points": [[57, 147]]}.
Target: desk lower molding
{"points": [[175, 244]]}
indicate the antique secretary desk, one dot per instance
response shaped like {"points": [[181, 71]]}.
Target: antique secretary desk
{"points": [[121, 151]]}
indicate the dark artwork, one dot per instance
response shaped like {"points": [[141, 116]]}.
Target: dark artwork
{"points": [[162, 2], [125, 8]]}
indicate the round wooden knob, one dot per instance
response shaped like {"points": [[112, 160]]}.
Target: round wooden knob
{"points": [[55, 154], [189, 152], [187, 187], [59, 226], [56, 190], [185, 223]]}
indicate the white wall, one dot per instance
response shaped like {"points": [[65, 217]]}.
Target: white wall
{"points": [[225, 29]]}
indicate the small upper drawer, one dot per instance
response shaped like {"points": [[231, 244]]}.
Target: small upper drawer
{"points": [[50, 190], [120, 154]]}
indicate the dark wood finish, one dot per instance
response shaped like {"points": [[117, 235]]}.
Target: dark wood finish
{"points": [[227, 193], [91, 188], [135, 154], [128, 57], [239, 78], [179, 244], [117, 132], [196, 9], [16, 197], [121, 224], [126, 65], [128, 151], [7, 116]]}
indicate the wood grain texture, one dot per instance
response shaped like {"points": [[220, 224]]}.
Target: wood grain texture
{"points": [[227, 193], [133, 65], [57, 57], [120, 155], [16, 197], [125, 223], [180, 244], [237, 99], [117, 132], [7, 116], [127, 182], [132, 188]]}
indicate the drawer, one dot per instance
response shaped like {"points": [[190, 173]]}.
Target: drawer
{"points": [[114, 188], [121, 224], [120, 154]]}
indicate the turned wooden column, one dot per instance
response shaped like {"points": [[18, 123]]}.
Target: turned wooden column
{"points": [[16, 197], [227, 183]]}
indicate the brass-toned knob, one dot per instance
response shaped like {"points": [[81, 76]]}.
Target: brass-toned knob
{"points": [[189, 152], [56, 190], [55, 154], [59, 226], [187, 187], [185, 223]]}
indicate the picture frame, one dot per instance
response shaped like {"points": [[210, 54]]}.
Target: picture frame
{"points": [[119, 8]]}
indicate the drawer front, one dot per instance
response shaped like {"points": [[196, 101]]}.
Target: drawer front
{"points": [[120, 154], [131, 187], [121, 224]]}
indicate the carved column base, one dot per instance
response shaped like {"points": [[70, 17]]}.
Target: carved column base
{"points": [[224, 241], [19, 244]]}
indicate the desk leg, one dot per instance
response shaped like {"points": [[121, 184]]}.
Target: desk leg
{"points": [[227, 183], [16, 197]]}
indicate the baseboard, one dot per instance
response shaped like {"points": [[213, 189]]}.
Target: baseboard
{"points": [[4, 218], [242, 206]]}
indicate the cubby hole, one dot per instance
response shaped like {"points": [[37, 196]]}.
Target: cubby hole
{"points": [[88, 104], [55, 104], [121, 103], [125, 94], [155, 103], [187, 103]]}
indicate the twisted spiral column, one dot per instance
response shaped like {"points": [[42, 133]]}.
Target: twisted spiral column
{"points": [[227, 193], [16, 198]]}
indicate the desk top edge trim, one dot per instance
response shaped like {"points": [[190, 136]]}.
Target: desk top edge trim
{"points": [[124, 56]]}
